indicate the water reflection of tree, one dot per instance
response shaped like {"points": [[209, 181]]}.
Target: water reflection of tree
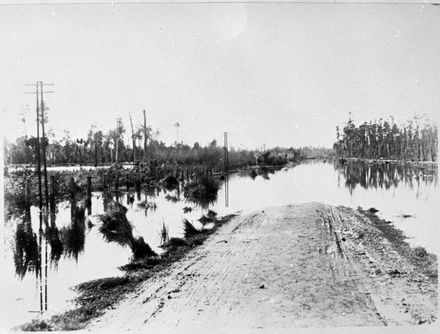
{"points": [[203, 203], [263, 171], [202, 192], [54, 238], [172, 199], [116, 228], [26, 257], [73, 236], [383, 175]]}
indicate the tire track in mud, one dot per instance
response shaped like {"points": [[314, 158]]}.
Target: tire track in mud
{"points": [[295, 266], [207, 290]]}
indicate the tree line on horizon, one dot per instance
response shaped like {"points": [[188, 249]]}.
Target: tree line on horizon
{"points": [[385, 139], [103, 148]]}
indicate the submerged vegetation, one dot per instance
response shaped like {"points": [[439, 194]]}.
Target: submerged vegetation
{"points": [[203, 191], [189, 230], [98, 295], [116, 228]]}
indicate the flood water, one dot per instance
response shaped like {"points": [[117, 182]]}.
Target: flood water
{"points": [[75, 251]]}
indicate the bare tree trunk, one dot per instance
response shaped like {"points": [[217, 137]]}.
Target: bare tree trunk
{"points": [[96, 155], [132, 138], [117, 151]]}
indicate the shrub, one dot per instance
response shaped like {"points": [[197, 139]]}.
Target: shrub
{"points": [[189, 229]]}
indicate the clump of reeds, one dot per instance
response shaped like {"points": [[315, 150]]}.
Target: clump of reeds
{"points": [[36, 325], [141, 249], [419, 252], [204, 219], [204, 192], [212, 213], [170, 182], [147, 263], [174, 243], [101, 284], [116, 228], [187, 209], [372, 210], [189, 229], [164, 234], [210, 217]]}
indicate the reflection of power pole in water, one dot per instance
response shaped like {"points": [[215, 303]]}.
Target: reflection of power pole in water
{"points": [[45, 263], [226, 168], [227, 191], [40, 259]]}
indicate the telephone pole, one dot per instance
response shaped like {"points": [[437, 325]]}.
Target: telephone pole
{"points": [[45, 140], [225, 153], [41, 142], [41, 148]]}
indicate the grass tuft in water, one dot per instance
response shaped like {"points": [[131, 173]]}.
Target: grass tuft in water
{"points": [[116, 228], [164, 234], [189, 229], [204, 192]]}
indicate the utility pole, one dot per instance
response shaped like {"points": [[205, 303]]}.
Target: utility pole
{"points": [[225, 153], [41, 148], [45, 140], [38, 142]]}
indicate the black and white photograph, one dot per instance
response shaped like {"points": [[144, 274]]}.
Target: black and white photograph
{"points": [[219, 166]]}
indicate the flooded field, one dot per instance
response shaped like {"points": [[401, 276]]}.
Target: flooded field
{"points": [[74, 250]]}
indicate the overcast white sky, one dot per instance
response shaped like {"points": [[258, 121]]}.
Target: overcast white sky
{"points": [[274, 74]]}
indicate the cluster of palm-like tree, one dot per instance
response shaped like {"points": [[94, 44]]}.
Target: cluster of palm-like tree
{"points": [[98, 147], [414, 140]]}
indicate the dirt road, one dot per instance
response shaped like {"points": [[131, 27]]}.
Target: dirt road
{"points": [[294, 266]]}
